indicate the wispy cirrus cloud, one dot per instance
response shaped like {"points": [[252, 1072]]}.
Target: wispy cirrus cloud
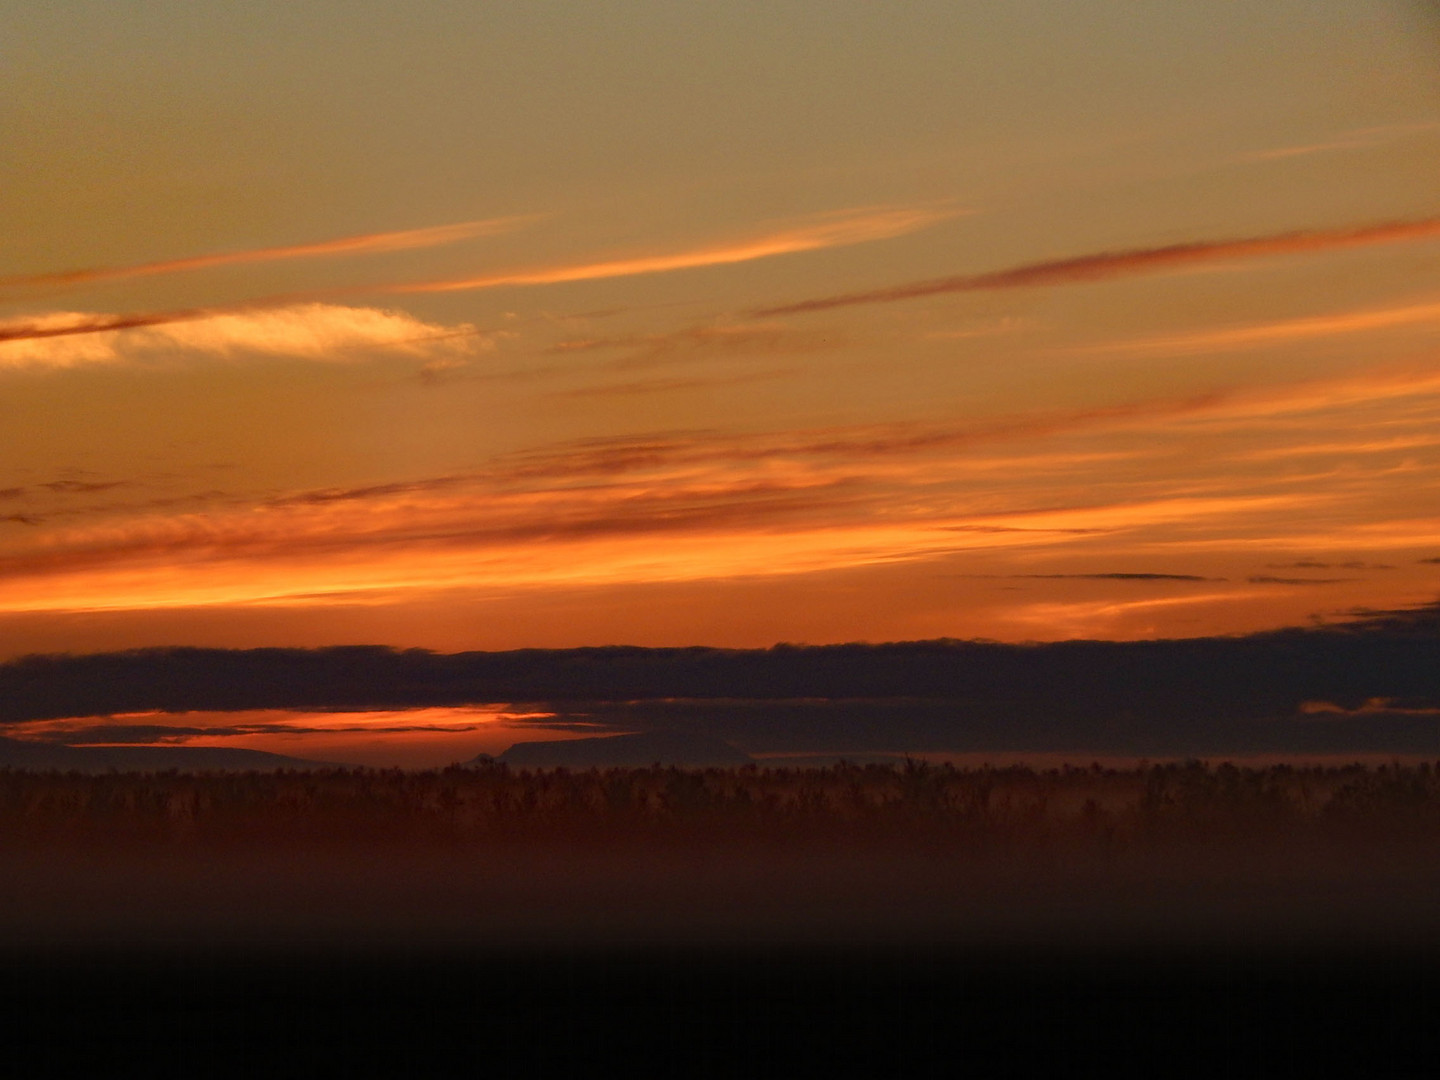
{"points": [[1311, 564], [600, 458], [712, 505], [365, 244], [1279, 332], [1267, 579], [837, 230], [314, 331], [1119, 575], [1347, 447], [700, 341], [1359, 139], [1110, 265], [668, 385], [711, 526]]}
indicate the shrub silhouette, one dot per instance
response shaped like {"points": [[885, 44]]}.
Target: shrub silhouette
{"points": [[494, 803]]}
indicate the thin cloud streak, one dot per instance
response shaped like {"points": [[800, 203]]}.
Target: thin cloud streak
{"points": [[705, 340], [69, 324], [1281, 332], [669, 386], [845, 230], [1349, 448], [1114, 576], [608, 458], [853, 228], [366, 244], [1362, 139], [1109, 265]]}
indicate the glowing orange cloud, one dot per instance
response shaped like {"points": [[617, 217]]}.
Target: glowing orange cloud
{"points": [[1108, 265], [420, 738], [366, 244], [853, 228], [304, 331], [704, 507], [255, 557]]}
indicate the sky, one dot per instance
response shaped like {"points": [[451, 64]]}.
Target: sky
{"points": [[465, 326]]}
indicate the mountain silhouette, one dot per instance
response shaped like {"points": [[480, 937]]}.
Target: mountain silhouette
{"points": [[687, 748]]}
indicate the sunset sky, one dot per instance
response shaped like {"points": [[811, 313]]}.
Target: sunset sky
{"points": [[486, 326]]}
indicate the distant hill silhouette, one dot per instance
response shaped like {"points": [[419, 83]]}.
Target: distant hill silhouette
{"points": [[619, 751], [47, 757]]}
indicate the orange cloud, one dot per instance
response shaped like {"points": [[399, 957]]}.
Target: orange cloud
{"points": [[708, 506], [1108, 265], [841, 230], [366, 244], [304, 331], [683, 512], [851, 228], [1348, 448], [420, 738], [1279, 333]]}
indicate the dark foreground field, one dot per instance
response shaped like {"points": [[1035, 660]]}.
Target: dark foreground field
{"points": [[730, 905]]}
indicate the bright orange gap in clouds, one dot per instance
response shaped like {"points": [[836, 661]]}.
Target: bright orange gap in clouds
{"points": [[409, 738]]}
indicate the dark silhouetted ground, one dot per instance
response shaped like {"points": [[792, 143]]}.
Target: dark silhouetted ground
{"points": [[899, 908]]}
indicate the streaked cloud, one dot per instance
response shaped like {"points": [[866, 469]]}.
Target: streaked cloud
{"points": [[1080, 618], [1346, 447], [708, 506], [1281, 332], [1266, 579], [1359, 139], [1310, 564], [531, 539], [365, 244], [178, 727], [668, 385], [1113, 576], [839, 230], [423, 737], [1109, 265], [834, 231], [700, 341], [326, 332]]}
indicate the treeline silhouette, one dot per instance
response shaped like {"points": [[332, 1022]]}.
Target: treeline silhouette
{"points": [[917, 801]]}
